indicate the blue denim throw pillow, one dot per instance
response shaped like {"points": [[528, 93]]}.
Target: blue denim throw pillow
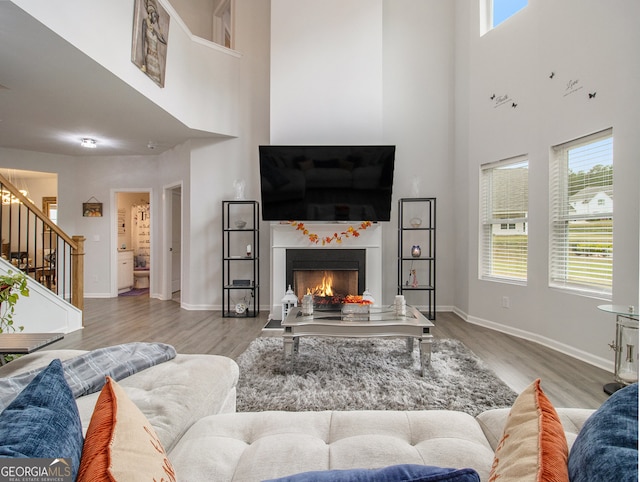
{"points": [[607, 446], [394, 473], [43, 420]]}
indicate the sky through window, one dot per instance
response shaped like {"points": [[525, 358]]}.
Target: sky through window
{"points": [[503, 9]]}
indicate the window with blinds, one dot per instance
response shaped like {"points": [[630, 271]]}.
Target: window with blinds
{"points": [[504, 204], [581, 204]]}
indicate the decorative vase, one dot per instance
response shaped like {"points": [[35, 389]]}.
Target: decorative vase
{"points": [[416, 251]]}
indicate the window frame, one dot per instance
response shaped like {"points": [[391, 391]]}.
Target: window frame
{"points": [[486, 260], [560, 246]]}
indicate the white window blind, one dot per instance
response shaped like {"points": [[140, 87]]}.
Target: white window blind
{"points": [[581, 244], [504, 203]]}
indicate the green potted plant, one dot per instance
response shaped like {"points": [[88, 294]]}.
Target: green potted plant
{"points": [[12, 286]]}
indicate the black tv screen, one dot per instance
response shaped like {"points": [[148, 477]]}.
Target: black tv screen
{"points": [[326, 183]]}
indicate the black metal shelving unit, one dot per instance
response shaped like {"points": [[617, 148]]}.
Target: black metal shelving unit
{"points": [[417, 273], [240, 269]]}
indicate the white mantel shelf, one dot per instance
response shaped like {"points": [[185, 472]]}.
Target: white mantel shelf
{"points": [[285, 236]]}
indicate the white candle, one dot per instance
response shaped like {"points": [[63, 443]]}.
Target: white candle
{"points": [[248, 250]]}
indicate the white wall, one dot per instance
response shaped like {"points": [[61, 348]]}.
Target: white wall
{"points": [[595, 43], [418, 118], [326, 72]]}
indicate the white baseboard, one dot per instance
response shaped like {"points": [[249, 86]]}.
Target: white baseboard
{"points": [[542, 340]]}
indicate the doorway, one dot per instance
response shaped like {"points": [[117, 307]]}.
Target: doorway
{"points": [[173, 242], [133, 241]]}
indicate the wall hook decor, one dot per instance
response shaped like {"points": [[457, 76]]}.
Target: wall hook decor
{"points": [[514, 105], [552, 75], [592, 95], [493, 96]]}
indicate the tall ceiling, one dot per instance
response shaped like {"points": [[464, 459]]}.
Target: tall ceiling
{"points": [[52, 95]]}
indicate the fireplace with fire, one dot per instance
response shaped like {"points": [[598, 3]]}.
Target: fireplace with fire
{"points": [[329, 275]]}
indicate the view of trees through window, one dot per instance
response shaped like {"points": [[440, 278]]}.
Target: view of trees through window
{"points": [[505, 201]]}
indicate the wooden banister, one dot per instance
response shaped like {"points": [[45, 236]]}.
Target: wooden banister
{"points": [[77, 275]]}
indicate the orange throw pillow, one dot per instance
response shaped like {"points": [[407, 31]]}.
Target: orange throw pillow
{"points": [[121, 445], [533, 446]]}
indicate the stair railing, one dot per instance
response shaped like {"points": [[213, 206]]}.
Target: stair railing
{"points": [[35, 245]]}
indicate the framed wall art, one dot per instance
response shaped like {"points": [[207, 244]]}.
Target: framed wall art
{"points": [[92, 209]]}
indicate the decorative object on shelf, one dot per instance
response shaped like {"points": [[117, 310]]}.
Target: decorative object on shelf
{"points": [[92, 209], [240, 223], [289, 301], [416, 251], [415, 187], [238, 188], [12, 286], [414, 279], [242, 306], [415, 222], [241, 282], [248, 250], [337, 237]]}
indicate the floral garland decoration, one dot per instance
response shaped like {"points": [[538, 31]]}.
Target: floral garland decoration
{"points": [[337, 237]]}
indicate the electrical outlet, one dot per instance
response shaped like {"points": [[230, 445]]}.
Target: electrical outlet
{"points": [[505, 302]]}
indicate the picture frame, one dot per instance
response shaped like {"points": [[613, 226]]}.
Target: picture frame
{"points": [[150, 39], [92, 210]]}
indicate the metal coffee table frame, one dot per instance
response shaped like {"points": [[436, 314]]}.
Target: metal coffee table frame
{"points": [[381, 322]]}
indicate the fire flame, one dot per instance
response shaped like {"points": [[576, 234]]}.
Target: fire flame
{"points": [[325, 288]]}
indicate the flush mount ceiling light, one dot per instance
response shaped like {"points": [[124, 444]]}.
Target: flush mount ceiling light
{"points": [[88, 143]]}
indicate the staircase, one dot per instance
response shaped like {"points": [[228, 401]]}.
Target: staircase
{"points": [[52, 259]]}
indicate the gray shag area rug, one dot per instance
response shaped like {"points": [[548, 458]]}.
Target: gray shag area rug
{"points": [[366, 374]]}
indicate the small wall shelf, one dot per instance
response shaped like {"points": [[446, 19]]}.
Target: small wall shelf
{"points": [[240, 258], [417, 253]]}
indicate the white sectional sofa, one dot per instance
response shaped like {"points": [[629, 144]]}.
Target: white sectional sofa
{"points": [[190, 402]]}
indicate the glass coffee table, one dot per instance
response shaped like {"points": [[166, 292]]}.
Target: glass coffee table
{"points": [[379, 322]]}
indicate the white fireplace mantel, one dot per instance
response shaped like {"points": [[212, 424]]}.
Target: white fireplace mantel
{"points": [[285, 236]]}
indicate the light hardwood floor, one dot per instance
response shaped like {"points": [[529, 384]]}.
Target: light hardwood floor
{"points": [[568, 382]]}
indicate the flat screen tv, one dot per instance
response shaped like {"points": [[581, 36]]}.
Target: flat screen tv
{"points": [[326, 183]]}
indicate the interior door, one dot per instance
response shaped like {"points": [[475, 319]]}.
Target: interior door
{"points": [[176, 238]]}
